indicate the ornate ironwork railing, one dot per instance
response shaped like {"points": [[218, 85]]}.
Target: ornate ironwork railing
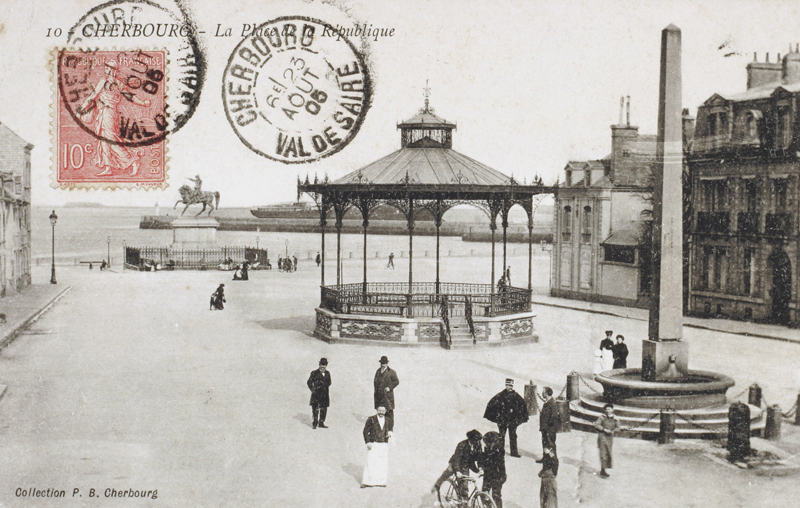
{"points": [[393, 298]]}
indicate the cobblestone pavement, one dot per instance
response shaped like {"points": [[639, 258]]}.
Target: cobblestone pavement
{"points": [[130, 382]]}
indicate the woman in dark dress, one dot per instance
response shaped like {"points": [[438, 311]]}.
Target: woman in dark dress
{"points": [[493, 462]]}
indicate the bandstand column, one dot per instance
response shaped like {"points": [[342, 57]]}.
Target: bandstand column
{"points": [[505, 230], [409, 297], [493, 227], [322, 223], [365, 224], [437, 220], [530, 254], [338, 251]]}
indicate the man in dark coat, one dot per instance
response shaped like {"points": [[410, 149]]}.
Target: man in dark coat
{"points": [[620, 351], [385, 382], [508, 410], [218, 298], [493, 462], [464, 459], [318, 382], [548, 421]]}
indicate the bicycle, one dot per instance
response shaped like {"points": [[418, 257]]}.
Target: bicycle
{"points": [[450, 495]]}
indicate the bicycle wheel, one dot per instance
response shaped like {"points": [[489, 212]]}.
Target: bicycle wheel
{"points": [[482, 500], [448, 495]]}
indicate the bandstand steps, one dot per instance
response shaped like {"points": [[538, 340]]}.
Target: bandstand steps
{"points": [[460, 336], [705, 423]]}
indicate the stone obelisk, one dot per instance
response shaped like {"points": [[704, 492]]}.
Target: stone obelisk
{"points": [[663, 346]]}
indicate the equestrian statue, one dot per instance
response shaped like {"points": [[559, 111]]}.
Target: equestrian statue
{"points": [[191, 196]]}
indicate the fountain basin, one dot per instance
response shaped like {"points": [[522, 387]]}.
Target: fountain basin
{"points": [[695, 389]]}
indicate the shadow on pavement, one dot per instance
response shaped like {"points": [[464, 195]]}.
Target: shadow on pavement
{"points": [[304, 324], [353, 470], [303, 418]]}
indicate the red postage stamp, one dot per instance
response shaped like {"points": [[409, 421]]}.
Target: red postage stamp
{"points": [[111, 119]]}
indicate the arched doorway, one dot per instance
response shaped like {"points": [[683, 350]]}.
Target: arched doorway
{"points": [[781, 286]]}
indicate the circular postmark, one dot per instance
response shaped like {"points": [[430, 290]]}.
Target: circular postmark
{"points": [[295, 90], [137, 26]]}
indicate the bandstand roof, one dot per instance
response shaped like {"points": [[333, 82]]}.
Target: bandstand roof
{"points": [[426, 166]]}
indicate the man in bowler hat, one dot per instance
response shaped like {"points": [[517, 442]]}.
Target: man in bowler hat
{"points": [[385, 382], [318, 382], [548, 421]]}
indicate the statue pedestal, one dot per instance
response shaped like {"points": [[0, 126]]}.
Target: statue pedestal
{"points": [[657, 354], [194, 233]]}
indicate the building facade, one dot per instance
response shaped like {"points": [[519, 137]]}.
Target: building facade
{"points": [[602, 216], [745, 169], [15, 212]]}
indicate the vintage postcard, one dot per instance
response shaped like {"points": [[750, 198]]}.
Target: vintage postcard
{"points": [[430, 253]]}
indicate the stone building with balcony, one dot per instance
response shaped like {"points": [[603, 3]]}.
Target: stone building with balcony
{"points": [[15, 212], [602, 216], [745, 170]]}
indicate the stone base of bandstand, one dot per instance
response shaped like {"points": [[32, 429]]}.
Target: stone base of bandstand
{"points": [[420, 331]]}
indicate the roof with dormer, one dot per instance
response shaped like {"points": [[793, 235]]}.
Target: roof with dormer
{"points": [[426, 118]]}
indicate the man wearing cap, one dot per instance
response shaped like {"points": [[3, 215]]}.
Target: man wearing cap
{"points": [[318, 382], [385, 382], [464, 459], [508, 410]]}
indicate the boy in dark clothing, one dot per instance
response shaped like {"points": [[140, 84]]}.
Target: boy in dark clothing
{"points": [[548, 492], [493, 462]]}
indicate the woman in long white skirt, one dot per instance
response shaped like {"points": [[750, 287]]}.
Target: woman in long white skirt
{"points": [[377, 432]]}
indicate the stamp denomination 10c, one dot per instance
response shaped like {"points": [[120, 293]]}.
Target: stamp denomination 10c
{"points": [[111, 119]]}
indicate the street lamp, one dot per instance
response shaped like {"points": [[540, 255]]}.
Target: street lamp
{"points": [[53, 219], [287, 247], [108, 257], [257, 240]]}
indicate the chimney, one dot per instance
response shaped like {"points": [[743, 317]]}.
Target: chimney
{"points": [[763, 73], [688, 129], [791, 68], [628, 118], [621, 108]]}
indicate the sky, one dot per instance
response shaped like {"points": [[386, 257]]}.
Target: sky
{"points": [[530, 84]]}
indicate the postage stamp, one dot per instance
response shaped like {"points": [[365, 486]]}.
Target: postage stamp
{"points": [[295, 90], [111, 118]]}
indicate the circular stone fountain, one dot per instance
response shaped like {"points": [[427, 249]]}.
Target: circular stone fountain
{"points": [[693, 390]]}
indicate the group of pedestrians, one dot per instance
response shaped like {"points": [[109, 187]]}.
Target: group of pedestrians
{"points": [[287, 264], [611, 355], [378, 428]]}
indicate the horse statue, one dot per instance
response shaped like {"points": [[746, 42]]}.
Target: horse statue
{"points": [[189, 197]]}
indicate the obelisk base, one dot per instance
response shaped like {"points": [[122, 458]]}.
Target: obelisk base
{"points": [[656, 363]]}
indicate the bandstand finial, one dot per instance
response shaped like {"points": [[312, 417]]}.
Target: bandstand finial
{"points": [[427, 94]]}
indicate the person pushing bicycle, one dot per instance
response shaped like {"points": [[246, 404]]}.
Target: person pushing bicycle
{"points": [[464, 459]]}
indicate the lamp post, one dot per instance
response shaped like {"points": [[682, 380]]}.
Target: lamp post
{"points": [[108, 257], [257, 240], [53, 219], [287, 247]]}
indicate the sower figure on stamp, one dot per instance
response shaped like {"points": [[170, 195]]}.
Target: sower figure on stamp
{"points": [[385, 382], [465, 458], [508, 410], [101, 110], [377, 432], [318, 382], [548, 421]]}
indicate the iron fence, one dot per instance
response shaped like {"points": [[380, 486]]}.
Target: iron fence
{"points": [[423, 300], [166, 258]]}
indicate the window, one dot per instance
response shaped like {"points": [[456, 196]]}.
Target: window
{"points": [[715, 268], [587, 178], [781, 186], [750, 191], [586, 228], [784, 131], [748, 271], [620, 254], [569, 178], [718, 124], [566, 223], [714, 193]]}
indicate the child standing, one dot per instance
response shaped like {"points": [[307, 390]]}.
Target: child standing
{"points": [[606, 425]]}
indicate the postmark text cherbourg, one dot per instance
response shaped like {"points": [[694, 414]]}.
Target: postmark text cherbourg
{"points": [[291, 94]]}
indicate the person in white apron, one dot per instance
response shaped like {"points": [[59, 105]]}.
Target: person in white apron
{"points": [[377, 432]]}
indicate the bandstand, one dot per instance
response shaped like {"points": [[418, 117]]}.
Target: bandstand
{"points": [[424, 176]]}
